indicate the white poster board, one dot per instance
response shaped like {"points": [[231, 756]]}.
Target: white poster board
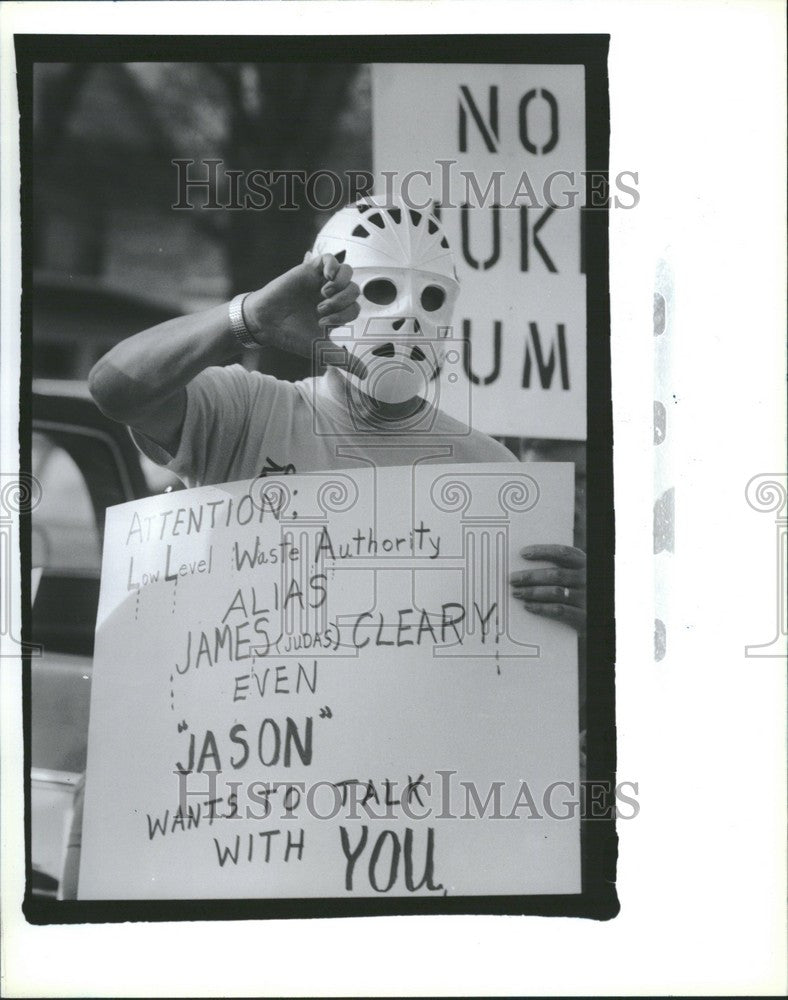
{"points": [[509, 143], [348, 680]]}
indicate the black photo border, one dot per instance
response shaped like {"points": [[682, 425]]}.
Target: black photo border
{"points": [[599, 843]]}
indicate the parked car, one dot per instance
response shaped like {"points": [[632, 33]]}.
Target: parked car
{"points": [[84, 463]]}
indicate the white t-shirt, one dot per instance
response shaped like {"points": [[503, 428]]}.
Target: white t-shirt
{"points": [[241, 425]]}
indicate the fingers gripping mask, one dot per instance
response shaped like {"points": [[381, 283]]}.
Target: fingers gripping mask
{"points": [[403, 265]]}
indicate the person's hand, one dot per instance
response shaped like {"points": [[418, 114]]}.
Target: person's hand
{"points": [[299, 307], [557, 591]]}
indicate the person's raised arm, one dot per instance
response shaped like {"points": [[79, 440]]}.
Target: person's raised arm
{"points": [[142, 380]]}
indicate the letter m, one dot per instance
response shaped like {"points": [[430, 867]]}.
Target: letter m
{"points": [[488, 129], [546, 367]]}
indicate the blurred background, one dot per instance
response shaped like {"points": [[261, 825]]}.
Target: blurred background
{"points": [[111, 256]]}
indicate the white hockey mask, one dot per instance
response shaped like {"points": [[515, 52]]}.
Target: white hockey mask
{"points": [[403, 265]]}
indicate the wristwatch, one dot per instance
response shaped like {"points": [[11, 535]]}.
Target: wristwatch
{"points": [[238, 323]]}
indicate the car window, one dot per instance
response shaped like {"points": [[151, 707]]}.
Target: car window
{"points": [[65, 532], [82, 471]]}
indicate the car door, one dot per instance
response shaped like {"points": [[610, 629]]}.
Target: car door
{"points": [[84, 464]]}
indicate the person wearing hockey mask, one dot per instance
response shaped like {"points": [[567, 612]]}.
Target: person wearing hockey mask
{"points": [[405, 271], [372, 300]]}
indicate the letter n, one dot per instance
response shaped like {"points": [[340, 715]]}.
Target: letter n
{"points": [[489, 135]]}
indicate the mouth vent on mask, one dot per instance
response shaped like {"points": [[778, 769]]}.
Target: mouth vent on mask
{"points": [[384, 351], [399, 323]]}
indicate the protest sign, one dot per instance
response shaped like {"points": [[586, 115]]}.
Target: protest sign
{"points": [[304, 689], [500, 151]]}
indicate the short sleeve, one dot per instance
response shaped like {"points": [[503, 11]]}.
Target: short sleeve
{"points": [[225, 409]]}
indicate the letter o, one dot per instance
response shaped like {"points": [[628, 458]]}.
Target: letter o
{"points": [[337, 197], [247, 497], [310, 800], [525, 101], [395, 852], [277, 743]]}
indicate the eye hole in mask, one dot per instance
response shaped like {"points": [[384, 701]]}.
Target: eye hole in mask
{"points": [[381, 291], [432, 298]]}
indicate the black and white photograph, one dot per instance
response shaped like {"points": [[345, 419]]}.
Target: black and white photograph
{"points": [[392, 498], [309, 407]]}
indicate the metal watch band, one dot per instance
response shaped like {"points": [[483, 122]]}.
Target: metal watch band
{"points": [[238, 323]]}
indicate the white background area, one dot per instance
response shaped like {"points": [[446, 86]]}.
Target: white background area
{"points": [[697, 105]]}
